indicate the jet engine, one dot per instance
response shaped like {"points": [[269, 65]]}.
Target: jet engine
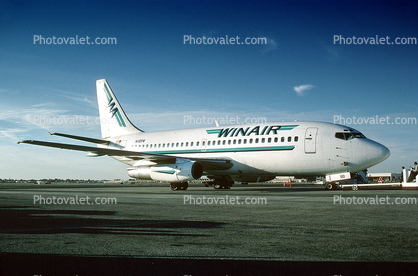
{"points": [[181, 171]]}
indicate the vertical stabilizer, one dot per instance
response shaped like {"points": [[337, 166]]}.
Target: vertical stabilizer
{"points": [[113, 120]]}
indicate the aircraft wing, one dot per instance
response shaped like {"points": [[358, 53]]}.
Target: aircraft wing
{"points": [[81, 138], [208, 163]]}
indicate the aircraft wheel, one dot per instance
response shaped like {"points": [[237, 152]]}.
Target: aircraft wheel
{"points": [[217, 184], [184, 186], [329, 186], [222, 184], [174, 187], [355, 187]]}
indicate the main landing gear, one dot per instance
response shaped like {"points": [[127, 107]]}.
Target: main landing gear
{"points": [[176, 186], [222, 184], [218, 184], [330, 186]]}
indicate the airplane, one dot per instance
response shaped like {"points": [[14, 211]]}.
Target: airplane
{"points": [[245, 153]]}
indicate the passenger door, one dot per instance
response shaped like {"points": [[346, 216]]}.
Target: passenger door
{"points": [[310, 140]]}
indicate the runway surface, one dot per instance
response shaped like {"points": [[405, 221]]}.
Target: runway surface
{"points": [[248, 230]]}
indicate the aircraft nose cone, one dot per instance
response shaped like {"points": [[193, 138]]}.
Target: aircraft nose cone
{"points": [[385, 152], [377, 153]]}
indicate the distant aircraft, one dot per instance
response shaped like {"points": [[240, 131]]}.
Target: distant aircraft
{"points": [[246, 153]]}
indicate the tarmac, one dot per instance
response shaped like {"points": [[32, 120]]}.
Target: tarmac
{"points": [[256, 229]]}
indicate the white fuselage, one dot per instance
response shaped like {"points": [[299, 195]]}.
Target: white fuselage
{"points": [[279, 149]]}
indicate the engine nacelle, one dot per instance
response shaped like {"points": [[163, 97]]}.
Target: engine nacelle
{"points": [[181, 171]]}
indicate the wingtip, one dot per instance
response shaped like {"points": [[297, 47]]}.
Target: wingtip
{"points": [[24, 141]]}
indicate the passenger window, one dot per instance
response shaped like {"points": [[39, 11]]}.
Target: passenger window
{"points": [[296, 138], [223, 142], [263, 140], [187, 144], [276, 139], [251, 140], [239, 141], [208, 143], [282, 139], [235, 141], [197, 144], [229, 142], [191, 144], [256, 140], [219, 142], [289, 139], [245, 141], [269, 140]]}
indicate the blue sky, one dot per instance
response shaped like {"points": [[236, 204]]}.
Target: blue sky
{"points": [[159, 80]]}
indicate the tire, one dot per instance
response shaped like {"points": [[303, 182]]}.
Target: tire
{"points": [[184, 186], [329, 186]]}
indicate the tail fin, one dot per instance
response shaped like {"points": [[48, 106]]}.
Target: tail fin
{"points": [[113, 120]]}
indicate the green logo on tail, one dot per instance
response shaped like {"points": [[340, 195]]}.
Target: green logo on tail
{"points": [[113, 108]]}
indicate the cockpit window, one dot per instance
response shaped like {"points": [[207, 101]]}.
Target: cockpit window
{"points": [[358, 135], [348, 135], [339, 135]]}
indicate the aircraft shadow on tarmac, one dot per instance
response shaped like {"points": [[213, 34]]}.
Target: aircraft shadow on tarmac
{"points": [[23, 220]]}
